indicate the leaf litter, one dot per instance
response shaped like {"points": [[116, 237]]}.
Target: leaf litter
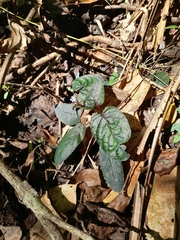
{"points": [[40, 59]]}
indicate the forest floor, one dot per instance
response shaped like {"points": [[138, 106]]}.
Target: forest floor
{"points": [[135, 47]]}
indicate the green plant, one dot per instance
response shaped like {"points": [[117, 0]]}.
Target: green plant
{"points": [[173, 27], [160, 78], [7, 90], [176, 128], [109, 127]]}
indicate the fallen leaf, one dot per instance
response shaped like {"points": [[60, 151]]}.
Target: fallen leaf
{"points": [[161, 26], [166, 161], [102, 221], [49, 138], [37, 232], [126, 28], [94, 194], [138, 89], [63, 198], [119, 203], [11, 232], [91, 177], [46, 201], [100, 58], [18, 144]]}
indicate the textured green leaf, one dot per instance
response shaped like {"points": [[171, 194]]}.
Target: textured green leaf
{"points": [[162, 79], [69, 143], [112, 171], [113, 78], [111, 129], [91, 90], [67, 114]]}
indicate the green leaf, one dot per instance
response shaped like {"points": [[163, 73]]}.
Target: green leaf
{"points": [[172, 26], [112, 171], [5, 95], [176, 138], [114, 78], [69, 143], [91, 90], [175, 127], [5, 88], [162, 79], [67, 114], [20, 2], [111, 129]]}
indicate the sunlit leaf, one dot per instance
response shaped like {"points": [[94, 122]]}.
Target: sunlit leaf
{"points": [[112, 171], [111, 129], [5, 95], [172, 27], [69, 143], [67, 114], [113, 78], [91, 90]]}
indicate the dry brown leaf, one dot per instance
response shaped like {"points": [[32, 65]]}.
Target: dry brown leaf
{"points": [[138, 88], [108, 220], [116, 92], [63, 198], [37, 232], [5, 45], [90, 184], [18, 144], [18, 38], [11, 232], [46, 201], [49, 138], [134, 122], [119, 203], [126, 28], [144, 21], [94, 193], [100, 58], [166, 162], [162, 25], [91, 177]]}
